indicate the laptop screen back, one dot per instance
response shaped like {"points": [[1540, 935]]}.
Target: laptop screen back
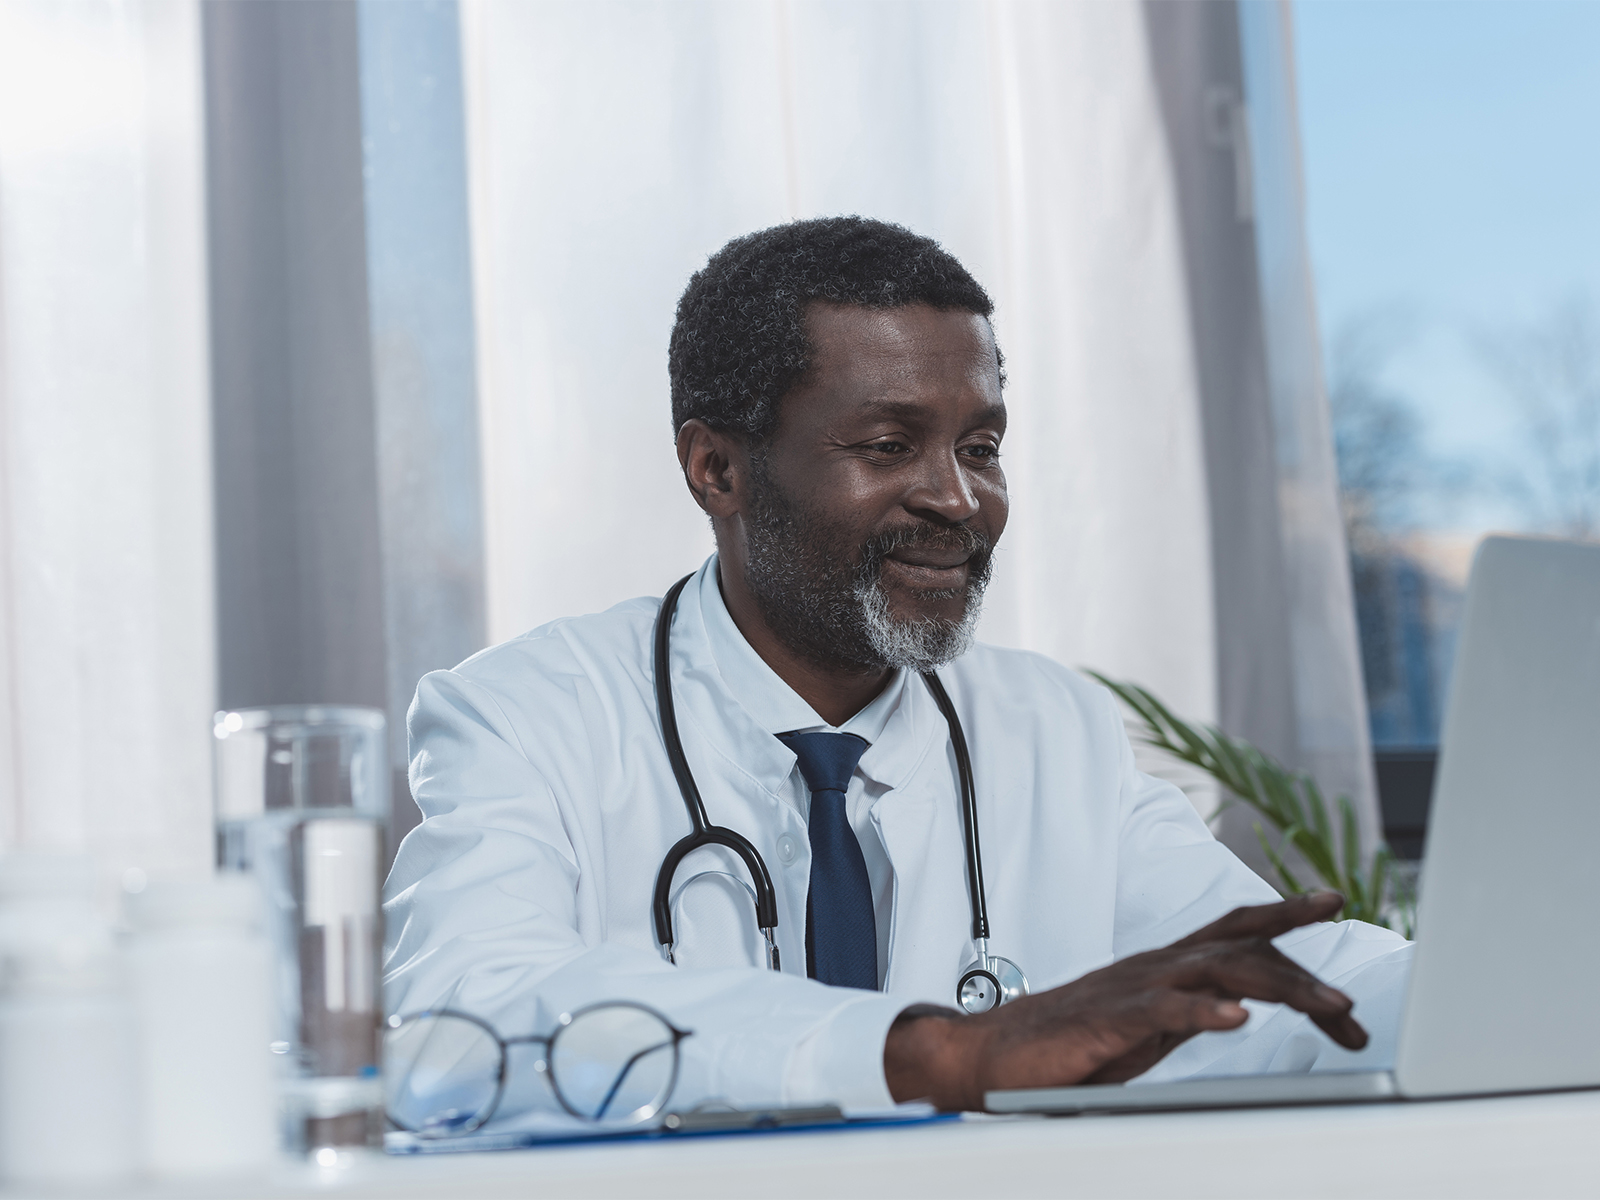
{"points": [[1505, 989]]}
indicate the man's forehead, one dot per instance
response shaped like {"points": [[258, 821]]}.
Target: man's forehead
{"points": [[905, 364], [842, 335], [891, 408], [829, 316]]}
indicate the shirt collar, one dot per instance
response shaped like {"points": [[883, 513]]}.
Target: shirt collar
{"points": [[772, 703]]}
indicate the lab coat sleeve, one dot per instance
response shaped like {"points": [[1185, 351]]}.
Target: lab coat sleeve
{"points": [[1175, 877], [482, 912]]}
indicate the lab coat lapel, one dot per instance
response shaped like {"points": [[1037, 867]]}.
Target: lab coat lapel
{"points": [[730, 742], [920, 823], [741, 770]]}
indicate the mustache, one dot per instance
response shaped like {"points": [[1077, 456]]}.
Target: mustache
{"points": [[924, 535]]}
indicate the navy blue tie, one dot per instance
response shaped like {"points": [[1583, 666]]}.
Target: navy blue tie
{"points": [[841, 932]]}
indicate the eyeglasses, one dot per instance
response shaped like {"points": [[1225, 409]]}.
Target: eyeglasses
{"points": [[444, 1071]]}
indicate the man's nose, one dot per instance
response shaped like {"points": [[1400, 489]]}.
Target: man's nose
{"points": [[943, 491]]}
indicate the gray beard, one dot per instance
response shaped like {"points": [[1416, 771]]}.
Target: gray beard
{"points": [[834, 613], [922, 643]]}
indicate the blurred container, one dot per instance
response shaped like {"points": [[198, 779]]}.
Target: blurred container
{"points": [[202, 972], [302, 800], [68, 1083]]}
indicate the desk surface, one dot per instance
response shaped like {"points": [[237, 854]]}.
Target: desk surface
{"points": [[1547, 1146]]}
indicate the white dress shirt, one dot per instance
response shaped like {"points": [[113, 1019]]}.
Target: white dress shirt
{"points": [[777, 708], [548, 805]]}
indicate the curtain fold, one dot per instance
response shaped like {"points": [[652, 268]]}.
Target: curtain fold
{"points": [[614, 145], [1332, 735], [1122, 176], [106, 623], [1287, 667]]}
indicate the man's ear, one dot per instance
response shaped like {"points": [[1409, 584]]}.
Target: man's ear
{"points": [[714, 464]]}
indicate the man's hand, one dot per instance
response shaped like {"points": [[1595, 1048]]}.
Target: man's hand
{"points": [[1118, 1022]]}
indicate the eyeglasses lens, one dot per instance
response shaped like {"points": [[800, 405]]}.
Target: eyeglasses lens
{"points": [[441, 1074], [614, 1064]]}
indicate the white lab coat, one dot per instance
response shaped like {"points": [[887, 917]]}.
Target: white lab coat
{"points": [[549, 802]]}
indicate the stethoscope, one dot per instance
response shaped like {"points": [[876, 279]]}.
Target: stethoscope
{"points": [[988, 980]]}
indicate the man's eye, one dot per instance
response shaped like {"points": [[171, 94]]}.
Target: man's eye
{"points": [[887, 447], [981, 452]]}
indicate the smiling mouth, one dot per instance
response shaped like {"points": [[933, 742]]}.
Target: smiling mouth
{"points": [[930, 561], [931, 570]]}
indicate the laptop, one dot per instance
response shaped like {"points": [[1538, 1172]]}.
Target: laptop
{"points": [[1502, 991]]}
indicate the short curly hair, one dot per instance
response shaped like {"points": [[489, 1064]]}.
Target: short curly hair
{"points": [[739, 342]]}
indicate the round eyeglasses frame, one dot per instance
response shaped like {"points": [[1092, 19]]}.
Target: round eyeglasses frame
{"points": [[543, 1065]]}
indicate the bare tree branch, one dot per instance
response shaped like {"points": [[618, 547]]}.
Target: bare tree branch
{"points": [[1377, 432], [1549, 371]]}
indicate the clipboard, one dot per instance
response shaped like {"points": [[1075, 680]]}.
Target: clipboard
{"points": [[720, 1122]]}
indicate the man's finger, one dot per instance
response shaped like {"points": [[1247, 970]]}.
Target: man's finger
{"points": [[1260, 972], [1174, 1018], [1256, 971], [1269, 920], [1173, 1011], [1344, 1029]]}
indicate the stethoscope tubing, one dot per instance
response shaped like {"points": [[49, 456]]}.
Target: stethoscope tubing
{"points": [[703, 833], [969, 807]]}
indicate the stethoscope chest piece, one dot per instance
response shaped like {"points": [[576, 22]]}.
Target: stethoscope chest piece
{"points": [[988, 982]]}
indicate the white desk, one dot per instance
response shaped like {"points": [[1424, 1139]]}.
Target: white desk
{"points": [[1544, 1146]]}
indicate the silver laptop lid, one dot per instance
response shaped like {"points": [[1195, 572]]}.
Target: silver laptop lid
{"points": [[1506, 982]]}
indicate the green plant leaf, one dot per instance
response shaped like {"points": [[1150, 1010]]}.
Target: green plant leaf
{"points": [[1290, 802], [1278, 865], [1380, 882], [1232, 769], [1315, 851], [1351, 836], [1318, 807]]}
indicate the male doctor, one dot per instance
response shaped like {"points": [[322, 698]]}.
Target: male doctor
{"points": [[837, 398]]}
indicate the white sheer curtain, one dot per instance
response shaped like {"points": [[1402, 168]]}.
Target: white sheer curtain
{"points": [[1329, 700], [613, 146], [106, 678]]}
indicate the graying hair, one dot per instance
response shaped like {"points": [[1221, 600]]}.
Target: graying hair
{"points": [[920, 644]]}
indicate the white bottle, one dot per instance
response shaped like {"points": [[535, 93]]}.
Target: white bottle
{"points": [[201, 968], [67, 1060]]}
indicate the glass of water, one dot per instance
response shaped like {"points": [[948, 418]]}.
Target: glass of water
{"points": [[302, 803]]}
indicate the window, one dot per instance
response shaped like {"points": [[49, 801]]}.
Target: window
{"points": [[1450, 209]]}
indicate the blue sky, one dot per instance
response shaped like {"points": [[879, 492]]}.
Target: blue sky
{"points": [[1452, 164]]}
